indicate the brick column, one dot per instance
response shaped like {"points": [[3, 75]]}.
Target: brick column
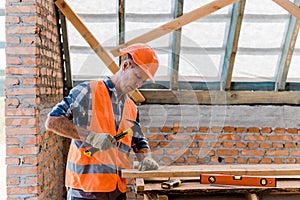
{"points": [[34, 84]]}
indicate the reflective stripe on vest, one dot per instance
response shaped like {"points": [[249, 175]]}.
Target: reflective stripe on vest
{"points": [[100, 173]]}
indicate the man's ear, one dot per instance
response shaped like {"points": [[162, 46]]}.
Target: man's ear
{"points": [[126, 64]]}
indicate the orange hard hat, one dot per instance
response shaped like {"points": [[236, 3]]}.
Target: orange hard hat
{"points": [[144, 56]]}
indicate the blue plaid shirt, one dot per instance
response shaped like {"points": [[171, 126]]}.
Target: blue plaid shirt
{"points": [[77, 106]]}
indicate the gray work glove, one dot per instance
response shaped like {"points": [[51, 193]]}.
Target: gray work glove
{"points": [[148, 163], [101, 141]]}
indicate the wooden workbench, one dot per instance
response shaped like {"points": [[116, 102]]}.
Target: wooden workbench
{"points": [[148, 183]]}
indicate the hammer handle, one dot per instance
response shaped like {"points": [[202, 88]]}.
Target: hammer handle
{"points": [[123, 134]]}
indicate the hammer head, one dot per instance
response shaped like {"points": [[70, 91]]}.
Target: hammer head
{"points": [[136, 129]]}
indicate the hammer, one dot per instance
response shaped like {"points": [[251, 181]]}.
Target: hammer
{"points": [[135, 129]]}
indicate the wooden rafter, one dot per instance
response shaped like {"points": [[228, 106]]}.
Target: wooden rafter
{"points": [[176, 23], [290, 7], [287, 52], [232, 44], [176, 41], [94, 44]]}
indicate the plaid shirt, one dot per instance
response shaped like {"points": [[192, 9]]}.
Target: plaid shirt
{"points": [[77, 106]]}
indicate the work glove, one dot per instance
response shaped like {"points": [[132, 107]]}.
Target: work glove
{"points": [[148, 163], [101, 141]]}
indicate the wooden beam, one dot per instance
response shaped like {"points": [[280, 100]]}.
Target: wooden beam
{"points": [[140, 185], [196, 170], [287, 52], [176, 23], [290, 7], [252, 196], [220, 97], [232, 44], [94, 44], [176, 44]]}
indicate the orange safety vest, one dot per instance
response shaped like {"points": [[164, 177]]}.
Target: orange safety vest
{"points": [[100, 172]]}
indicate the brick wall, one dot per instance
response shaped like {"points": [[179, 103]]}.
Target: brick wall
{"points": [[35, 163], [186, 134]]}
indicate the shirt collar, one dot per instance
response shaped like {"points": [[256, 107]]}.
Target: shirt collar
{"points": [[109, 84]]}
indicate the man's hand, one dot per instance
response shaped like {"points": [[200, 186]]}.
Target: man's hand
{"points": [[148, 163], [102, 141]]}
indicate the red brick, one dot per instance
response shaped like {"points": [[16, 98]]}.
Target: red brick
{"points": [[21, 121], [21, 111], [12, 20], [255, 137], [22, 91], [252, 152], [22, 151], [278, 161], [229, 137], [191, 129], [280, 138], [204, 129], [166, 129], [22, 70], [22, 50], [279, 130], [277, 152], [252, 145], [253, 160], [229, 129], [292, 130], [216, 129], [22, 170], [228, 144], [266, 130], [12, 81], [241, 129], [223, 152], [265, 145], [21, 30], [266, 161], [229, 160], [253, 130], [12, 180], [21, 131], [21, 9], [204, 137], [23, 190]]}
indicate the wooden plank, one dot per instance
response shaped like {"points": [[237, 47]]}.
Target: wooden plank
{"points": [[94, 44], [252, 196], [287, 52], [290, 7], [139, 182], [176, 45], [220, 97], [176, 23], [196, 170], [232, 44]]}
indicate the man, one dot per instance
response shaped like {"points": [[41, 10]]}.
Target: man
{"points": [[91, 115]]}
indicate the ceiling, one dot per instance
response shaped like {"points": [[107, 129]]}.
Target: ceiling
{"points": [[246, 51]]}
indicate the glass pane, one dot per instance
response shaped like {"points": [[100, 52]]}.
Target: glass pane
{"points": [[199, 67], [294, 71], [204, 34], [149, 6], [88, 66], [99, 7], [104, 35], [255, 68], [189, 6], [263, 7], [262, 35]]}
